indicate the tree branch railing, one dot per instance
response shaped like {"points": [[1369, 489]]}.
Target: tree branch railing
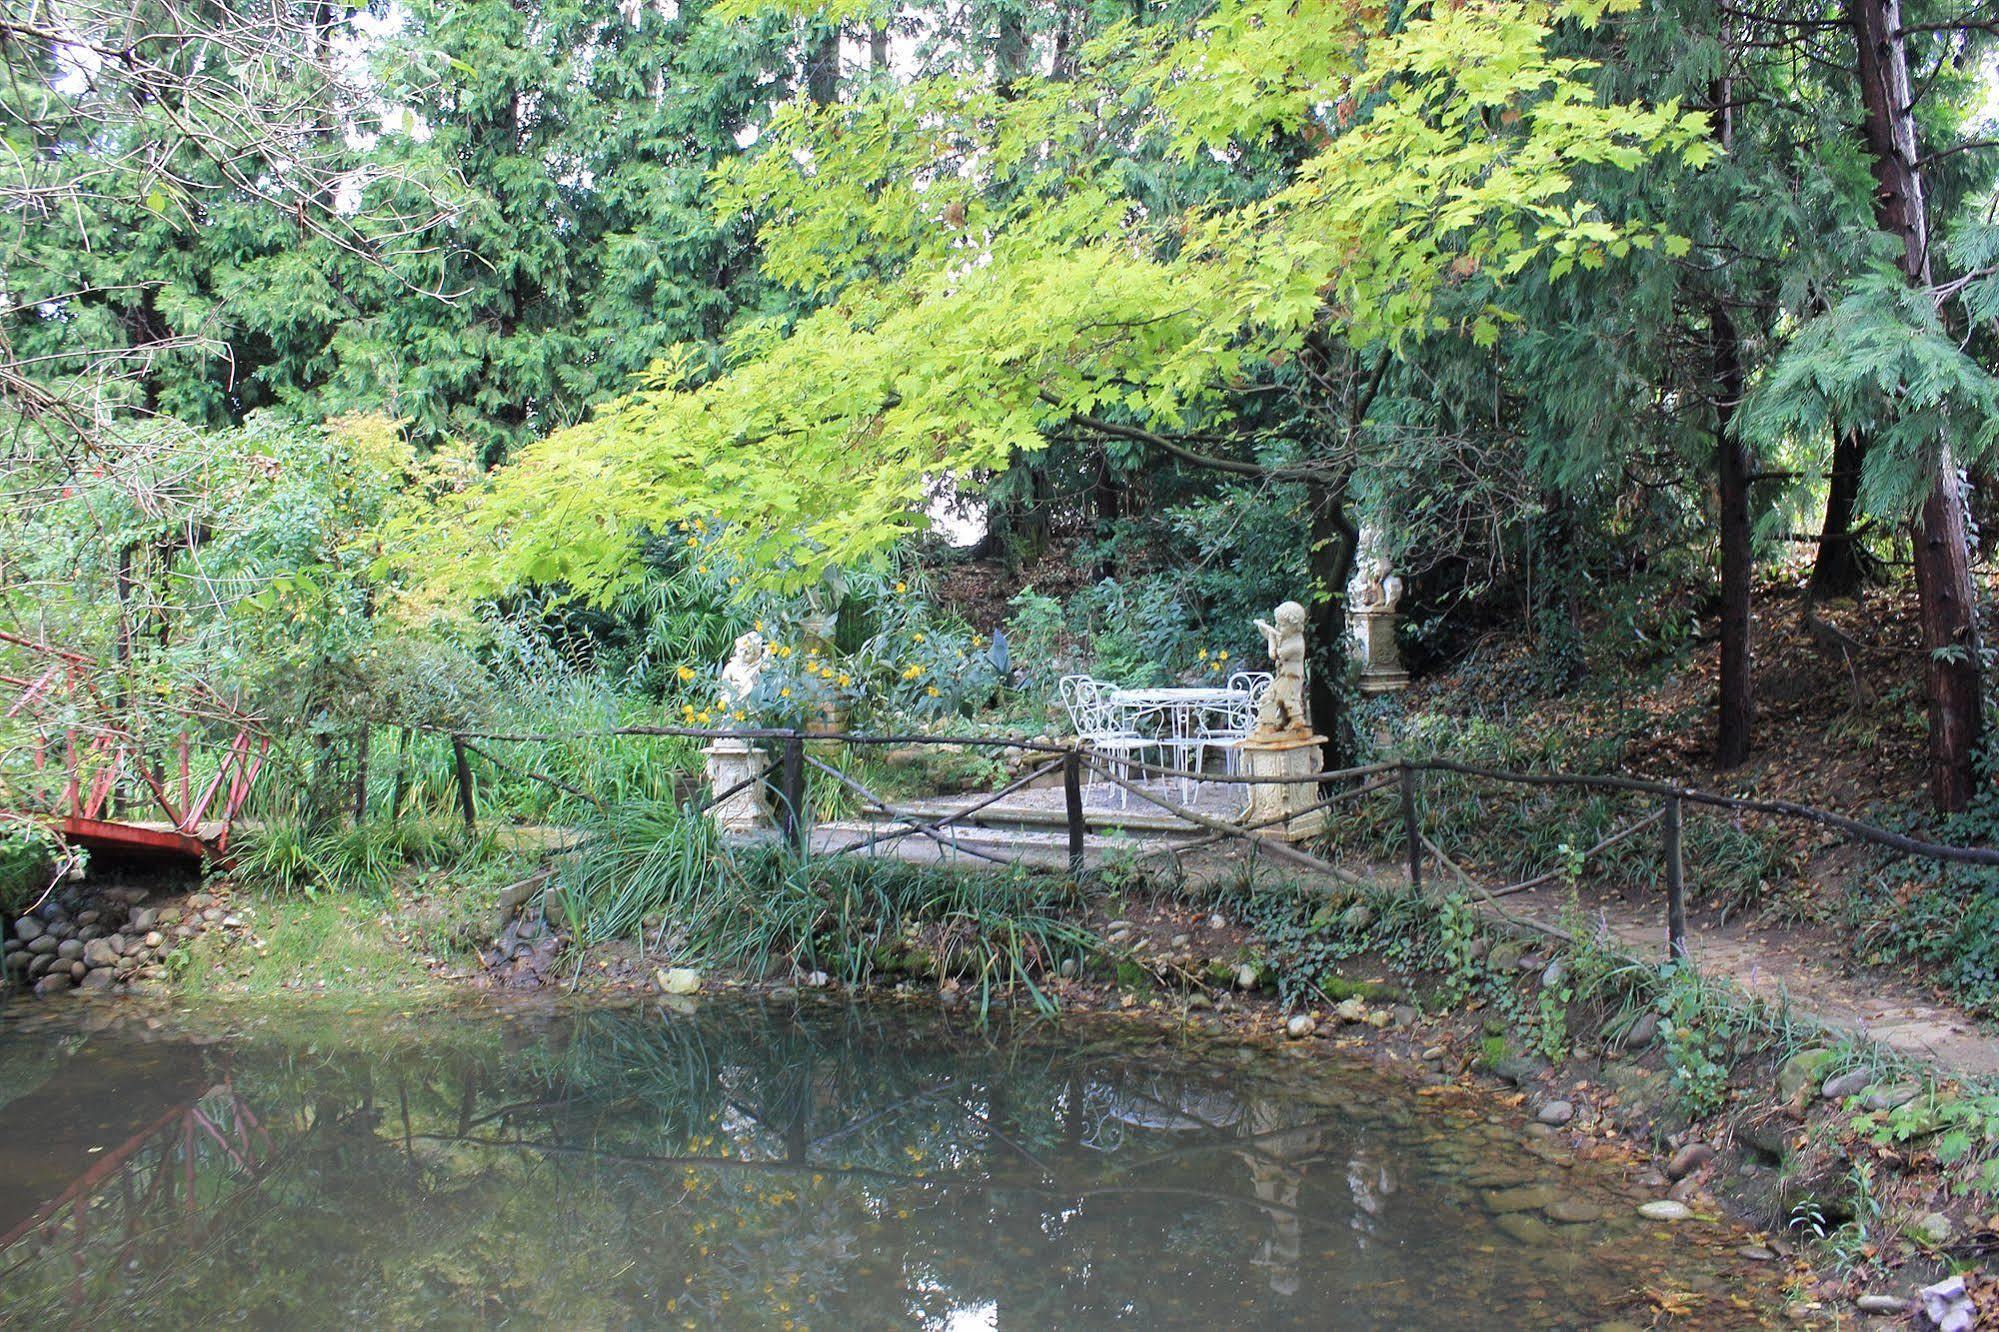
{"points": [[785, 779]]}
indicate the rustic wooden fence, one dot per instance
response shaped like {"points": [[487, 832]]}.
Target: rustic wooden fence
{"points": [[785, 776]]}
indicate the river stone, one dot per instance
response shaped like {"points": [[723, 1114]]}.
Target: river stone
{"points": [[1556, 972], [100, 953], [1665, 1209], [1527, 1198], [678, 980], [1842, 1085], [1524, 1228], [1689, 1159], [56, 983], [39, 964], [1934, 1229], [1300, 1026], [1800, 1071], [44, 943], [87, 933], [211, 914], [1757, 1253], [1881, 1304], [19, 961], [1406, 1015], [70, 949], [1247, 977], [1506, 957], [89, 917], [1520, 1069], [167, 916], [99, 980], [143, 919], [77, 971], [1640, 1033], [28, 929], [154, 939], [1434, 1055], [1350, 1010], [1556, 1113], [1572, 1211], [1888, 1098]]}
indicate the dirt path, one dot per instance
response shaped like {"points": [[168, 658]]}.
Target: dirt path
{"points": [[1795, 965], [1798, 965]]}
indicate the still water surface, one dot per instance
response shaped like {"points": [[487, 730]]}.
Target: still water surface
{"points": [[745, 1165]]}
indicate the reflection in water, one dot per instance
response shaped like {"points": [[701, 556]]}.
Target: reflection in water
{"points": [[744, 1166]]}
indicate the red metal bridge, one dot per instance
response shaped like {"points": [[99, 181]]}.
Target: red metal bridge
{"points": [[165, 783]]}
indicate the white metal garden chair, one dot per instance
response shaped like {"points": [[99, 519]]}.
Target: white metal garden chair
{"points": [[1101, 726]]}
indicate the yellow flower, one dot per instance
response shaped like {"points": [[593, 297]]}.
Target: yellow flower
{"points": [[700, 568], [685, 672], [1204, 654], [703, 718], [917, 637], [687, 710], [784, 692], [902, 587], [845, 679], [760, 626], [694, 541], [911, 672], [932, 691], [782, 650], [741, 715], [1223, 657]]}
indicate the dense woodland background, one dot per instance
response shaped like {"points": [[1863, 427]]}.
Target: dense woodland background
{"points": [[1657, 340]]}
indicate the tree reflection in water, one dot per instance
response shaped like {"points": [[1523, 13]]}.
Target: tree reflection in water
{"points": [[747, 1165]]}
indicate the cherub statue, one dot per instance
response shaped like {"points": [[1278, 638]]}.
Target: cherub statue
{"points": [[1378, 588], [745, 668], [1283, 705]]}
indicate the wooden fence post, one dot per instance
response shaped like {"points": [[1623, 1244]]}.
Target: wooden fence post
{"points": [[462, 760], [1072, 803], [361, 747], [1412, 830], [791, 793], [1676, 887]]}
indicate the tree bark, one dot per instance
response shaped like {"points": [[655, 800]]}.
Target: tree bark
{"points": [[1839, 571], [1330, 560], [822, 65], [1736, 704], [1942, 554]]}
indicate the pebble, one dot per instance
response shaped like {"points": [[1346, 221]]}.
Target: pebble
{"points": [[1757, 1253], [44, 943], [143, 919], [677, 980], [28, 929], [1887, 1098], [1524, 1228], [1217, 923], [154, 938], [1434, 1055], [1934, 1229], [1246, 977], [1881, 1304], [1556, 1113], [1665, 1209], [1557, 972], [1350, 1010], [1301, 1026], [1689, 1159], [1182, 940], [1843, 1085], [1526, 1198], [1572, 1211], [71, 949], [1641, 1033]]}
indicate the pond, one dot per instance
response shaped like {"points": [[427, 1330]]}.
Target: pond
{"points": [[745, 1164]]}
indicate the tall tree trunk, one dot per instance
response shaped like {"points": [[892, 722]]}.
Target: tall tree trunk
{"points": [[1736, 705], [822, 65], [1838, 571], [1330, 561], [878, 48], [1942, 553]]}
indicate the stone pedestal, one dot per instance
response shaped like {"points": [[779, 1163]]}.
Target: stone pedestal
{"points": [[1296, 755], [729, 763], [1381, 669]]}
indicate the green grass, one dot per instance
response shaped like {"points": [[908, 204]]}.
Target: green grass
{"points": [[320, 946], [763, 910]]}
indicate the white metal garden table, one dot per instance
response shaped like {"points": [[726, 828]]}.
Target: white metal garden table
{"points": [[1186, 720]]}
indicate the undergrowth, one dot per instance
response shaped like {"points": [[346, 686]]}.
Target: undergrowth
{"points": [[766, 909]]}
